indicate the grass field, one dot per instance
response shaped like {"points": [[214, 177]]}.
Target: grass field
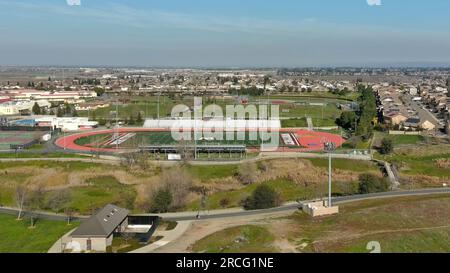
{"points": [[398, 140], [87, 192], [302, 123], [165, 138], [243, 239], [206, 173], [287, 190], [424, 165], [100, 192], [400, 225], [17, 237], [95, 185], [300, 107], [147, 106], [413, 224], [346, 164]]}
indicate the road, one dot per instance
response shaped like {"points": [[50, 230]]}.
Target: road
{"points": [[230, 213], [295, 206], [424, 114]]}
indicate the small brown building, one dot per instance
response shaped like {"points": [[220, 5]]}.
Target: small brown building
{"points": [[96, 233]]}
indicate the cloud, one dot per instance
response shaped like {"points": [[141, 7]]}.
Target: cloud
{"points": [[74, 2], [374, 2]]}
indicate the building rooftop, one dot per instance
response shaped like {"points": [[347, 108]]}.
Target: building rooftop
{"points": [[103, 223]]}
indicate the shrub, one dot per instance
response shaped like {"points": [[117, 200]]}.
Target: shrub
{"points": [[263, 197], [369, 183], [247, 173], [386, 146], [224, 202], [162, 200]]}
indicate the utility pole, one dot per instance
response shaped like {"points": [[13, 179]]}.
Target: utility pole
{"points": [[329, 147], [117, 126], [159, 94]]}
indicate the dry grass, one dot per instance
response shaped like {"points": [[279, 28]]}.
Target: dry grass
{"points": [[302, 172], [57, 178], [443, 163], [422, 181]]}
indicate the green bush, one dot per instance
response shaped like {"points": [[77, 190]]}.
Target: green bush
{"points": [[162, 200], [369, 183], [263, 197], [387, 146]]}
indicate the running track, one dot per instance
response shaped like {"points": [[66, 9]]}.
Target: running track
{"points": [[310, 141]]}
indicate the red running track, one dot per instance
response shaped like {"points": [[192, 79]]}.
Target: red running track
{"points": [[310, 141]]}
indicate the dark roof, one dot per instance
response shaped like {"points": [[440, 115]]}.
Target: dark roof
{"points": [[412, 122], [103, 223]]}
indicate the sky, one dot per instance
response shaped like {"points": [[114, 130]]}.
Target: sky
{"points": [[219, 33]]}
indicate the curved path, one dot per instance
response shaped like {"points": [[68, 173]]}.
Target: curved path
{"points": [[189, 216], [230, 213]]}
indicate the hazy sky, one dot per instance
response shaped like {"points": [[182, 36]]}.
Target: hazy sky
{"points": [[224, 32]]}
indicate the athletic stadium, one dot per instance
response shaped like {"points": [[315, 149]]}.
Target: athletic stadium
{"points": [[156, 136]]}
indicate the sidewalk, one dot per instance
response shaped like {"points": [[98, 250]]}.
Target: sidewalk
{"points": [[56, 248], [168, 236]]}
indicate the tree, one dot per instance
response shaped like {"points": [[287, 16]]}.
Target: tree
{"points": [[386, 146], [247, 173], [178, 182], [100, 91], [263, 197], [369, 183], [139, 119], [266, 82], [74, 113], [367, 111], [58, 200], [347, 120], [127, 199], [60, 112], [20, 198], [69, 211], [35, 203], [224, 202], [162, 200], [131, 121], [36, 109]]}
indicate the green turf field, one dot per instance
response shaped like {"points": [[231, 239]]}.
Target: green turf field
{"points": [[165, 138]]}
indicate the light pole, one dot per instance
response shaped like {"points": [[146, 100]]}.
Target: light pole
{"points": [[159, 94], [329, 148]]}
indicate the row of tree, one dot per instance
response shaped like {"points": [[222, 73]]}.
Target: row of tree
{"points": [[33, 200], [362, 121]]}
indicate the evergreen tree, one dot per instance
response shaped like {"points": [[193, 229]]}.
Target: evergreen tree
{"points": [[139, 119], [36, 109]]}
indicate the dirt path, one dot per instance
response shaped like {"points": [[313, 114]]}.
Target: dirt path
{"points": [[201, 229]]}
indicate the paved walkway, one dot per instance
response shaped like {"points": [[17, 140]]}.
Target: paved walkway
{"points": [[57, 246], [168, 236]]}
